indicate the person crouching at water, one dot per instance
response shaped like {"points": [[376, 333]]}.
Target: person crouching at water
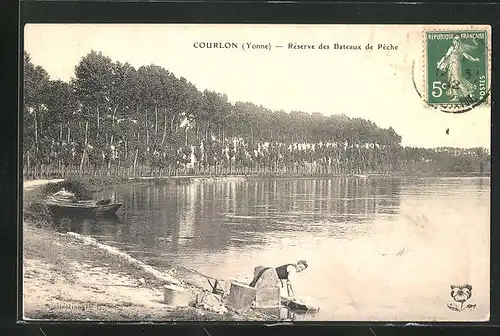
{"points": [[288, 272]]}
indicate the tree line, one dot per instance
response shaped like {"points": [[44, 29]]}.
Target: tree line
{"points": [[112, 118]]}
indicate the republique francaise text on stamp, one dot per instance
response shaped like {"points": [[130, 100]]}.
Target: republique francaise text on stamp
{"points": [[457, 69]]}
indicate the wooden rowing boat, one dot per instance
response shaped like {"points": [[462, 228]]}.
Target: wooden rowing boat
{"points": [[65, 205]]}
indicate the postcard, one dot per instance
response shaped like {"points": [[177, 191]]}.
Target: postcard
{"points": [[251, 172]]}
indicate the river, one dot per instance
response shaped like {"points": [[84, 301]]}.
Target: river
{"points": [[378, 248]]}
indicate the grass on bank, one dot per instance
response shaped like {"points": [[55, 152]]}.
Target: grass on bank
{"points": [[185, 314], [58, 251]]}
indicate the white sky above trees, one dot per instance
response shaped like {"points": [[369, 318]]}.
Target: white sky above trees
{"points": [[374, 85]]}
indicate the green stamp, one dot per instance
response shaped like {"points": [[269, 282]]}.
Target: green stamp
{"points": [[457, 69]]}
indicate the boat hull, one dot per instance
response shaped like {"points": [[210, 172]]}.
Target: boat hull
{"points": [[83, 208]]}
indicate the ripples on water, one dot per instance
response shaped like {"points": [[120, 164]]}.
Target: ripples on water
{"points": [[226, 228]]}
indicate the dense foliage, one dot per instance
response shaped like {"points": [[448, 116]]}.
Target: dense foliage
{"points": [[114, 119]]}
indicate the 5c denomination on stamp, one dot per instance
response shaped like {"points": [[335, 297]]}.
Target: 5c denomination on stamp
{"points": [[457, 69]]}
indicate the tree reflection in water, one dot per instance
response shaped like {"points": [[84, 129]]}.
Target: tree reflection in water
{"points": [[214, 216]]}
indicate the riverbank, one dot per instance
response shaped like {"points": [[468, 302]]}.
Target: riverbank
{"points": [[73, 277], [105, 180]]}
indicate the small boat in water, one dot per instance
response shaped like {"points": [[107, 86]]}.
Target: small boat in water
{"points": [[64, 202]]}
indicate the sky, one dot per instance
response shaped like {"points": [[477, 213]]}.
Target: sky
{"points": [[375, 85]]}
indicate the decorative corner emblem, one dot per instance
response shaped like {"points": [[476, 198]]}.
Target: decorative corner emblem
{"points": [[461, 294]]}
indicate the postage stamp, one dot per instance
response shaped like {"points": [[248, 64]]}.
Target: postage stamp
{"points": [[457, 68]]}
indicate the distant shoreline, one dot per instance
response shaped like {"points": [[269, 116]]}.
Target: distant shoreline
{"points": [[102, 183], [198, 178], [373, 175]]}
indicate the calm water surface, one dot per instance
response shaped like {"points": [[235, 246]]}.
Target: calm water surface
{"points": [[378, 249]]}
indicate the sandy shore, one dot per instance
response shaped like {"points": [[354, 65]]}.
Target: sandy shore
{"points": [[68, 278]]}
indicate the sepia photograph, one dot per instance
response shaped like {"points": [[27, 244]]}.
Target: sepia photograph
{"points": [[255, 172]]}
